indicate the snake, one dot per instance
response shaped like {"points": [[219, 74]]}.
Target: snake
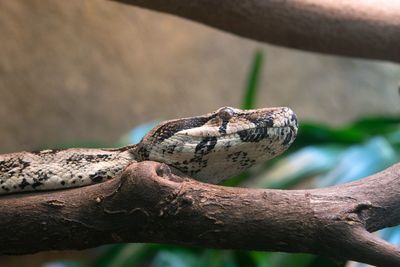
{"points": [[209, 148]]}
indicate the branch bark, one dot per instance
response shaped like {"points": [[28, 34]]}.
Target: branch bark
{"points": [[366, 29], [151, 204]]}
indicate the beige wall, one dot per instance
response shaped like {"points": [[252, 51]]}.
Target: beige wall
{"points": [[90, 70]]}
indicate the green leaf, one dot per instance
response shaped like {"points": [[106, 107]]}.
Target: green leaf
{"points": [[249, 98], [125, 255], [300, 260]]}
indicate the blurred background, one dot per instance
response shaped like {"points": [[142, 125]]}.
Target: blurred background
{"points": [[85, 73]]}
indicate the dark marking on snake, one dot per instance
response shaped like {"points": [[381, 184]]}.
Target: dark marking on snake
{"points": [[47, 151], [167, 130], [253, 135], [222, 128], [293, 119], [36, 183], [42, 176], [99, 176], [7, 165], [170, 149], [23, 163], [288, 138], [142, 152], [23, 184], [264, 120], [234, 157], [242, 158], [205, 145], [89, 158]]}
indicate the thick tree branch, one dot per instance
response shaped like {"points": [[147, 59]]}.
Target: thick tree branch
{"points": [[367, 29], [151, 204]]}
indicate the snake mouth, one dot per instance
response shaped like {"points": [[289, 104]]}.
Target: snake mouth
{"points": [[285, 133], [282, 125]]}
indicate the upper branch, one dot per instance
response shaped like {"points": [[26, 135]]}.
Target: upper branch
{"points": [[351, 28], [151, 204]]}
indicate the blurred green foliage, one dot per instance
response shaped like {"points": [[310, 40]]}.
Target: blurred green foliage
{"points": [[253, 80]]}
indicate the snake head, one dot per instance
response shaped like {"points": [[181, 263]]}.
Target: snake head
{"points": [[221, 144]]}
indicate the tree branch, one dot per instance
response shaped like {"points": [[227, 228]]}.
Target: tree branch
{"points": [[351, 28], [150, 204]]}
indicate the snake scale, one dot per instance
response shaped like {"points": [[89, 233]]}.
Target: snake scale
{"points": [[209, 148]]}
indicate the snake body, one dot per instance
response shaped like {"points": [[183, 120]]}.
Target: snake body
{"points": [[209, 148]]}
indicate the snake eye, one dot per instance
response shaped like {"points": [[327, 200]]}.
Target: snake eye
{"points": [[226, 113]]}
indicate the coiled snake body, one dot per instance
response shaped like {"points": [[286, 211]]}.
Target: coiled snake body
{"points": [[209, 148]]}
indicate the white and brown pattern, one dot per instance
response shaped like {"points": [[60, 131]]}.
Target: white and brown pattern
{"points": [[209, 148]]}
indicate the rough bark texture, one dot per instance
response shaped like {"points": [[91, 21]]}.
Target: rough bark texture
{"points": [[367, 29], [150, 204]]}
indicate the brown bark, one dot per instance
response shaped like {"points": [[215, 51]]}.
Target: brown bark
{"points": [[350, 28], [150, 204]]}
